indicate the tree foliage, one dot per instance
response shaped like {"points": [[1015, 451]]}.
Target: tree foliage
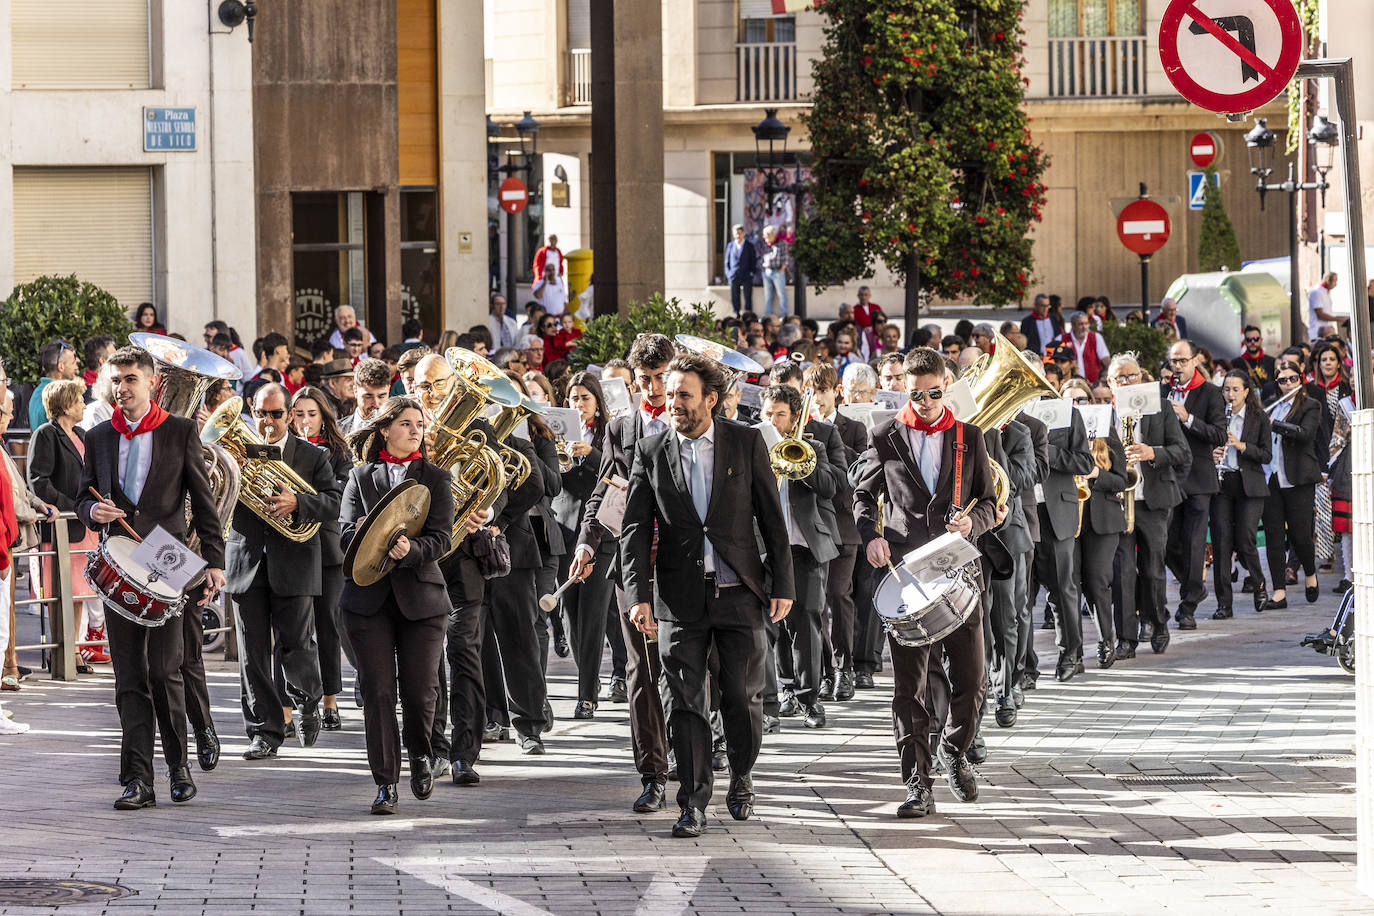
{"points": [[609, 337], [921, 145], [51, 308], [1217, 248], [1148, 344]]}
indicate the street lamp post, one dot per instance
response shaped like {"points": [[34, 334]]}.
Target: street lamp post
{"points": [[1258, 142], [773, 132], [527, 128]]}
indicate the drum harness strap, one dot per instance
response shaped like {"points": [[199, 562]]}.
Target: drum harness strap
{"points": [[959, 449]]}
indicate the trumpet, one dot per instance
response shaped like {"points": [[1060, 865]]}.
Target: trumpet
{"points": [[565, 455]]}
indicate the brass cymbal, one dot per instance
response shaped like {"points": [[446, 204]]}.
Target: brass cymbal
{"points": [[401, 512]]}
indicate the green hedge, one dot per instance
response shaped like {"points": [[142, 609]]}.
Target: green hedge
{"points": [[50, 308], [609, 337]]}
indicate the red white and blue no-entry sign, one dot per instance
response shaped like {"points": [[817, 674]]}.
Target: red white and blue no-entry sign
{"points": [[1230, 56]]}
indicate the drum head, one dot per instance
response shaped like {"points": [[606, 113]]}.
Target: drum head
{"points": [[900, 595], [121, 552]]}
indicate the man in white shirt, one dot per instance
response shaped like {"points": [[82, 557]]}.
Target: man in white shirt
{"points": [[549, 291], [504, 331], [1089, 349], [345, 318], [1319, 306]]}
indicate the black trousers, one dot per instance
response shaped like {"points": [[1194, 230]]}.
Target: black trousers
{"points": [[1006, 659], [1288, 518], [193, 663], [1235, 520], [1138, 587], [914, 709], [616, 639], [264, 617], [584, 605], [1186, 553], [732, 621], [467, 692], [511, 613], [1096, 559], [393, 648], [647, 688], [1056, 568], [742, 294], [149, 689], [546, 582], [1025, 620], [328, 640], [868, 629], [803, 625], [839, 598]]}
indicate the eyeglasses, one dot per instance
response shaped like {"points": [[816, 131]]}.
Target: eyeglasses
{"points": [[1082, 400], [1179, 360], [1287, 379], [1127, 377], [934, 394], [274, 414]]}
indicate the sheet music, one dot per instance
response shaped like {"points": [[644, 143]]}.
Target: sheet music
{"points": [[751, 396], [959, 399], [1097, 419], [893, 400], [617, 395], [862, 413], [171, 561], [1055, 413], [565, 422], [1138, 400]]}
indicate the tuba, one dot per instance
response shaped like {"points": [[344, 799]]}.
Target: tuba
{"points": [[794, 458], [1132, 473], [479, 370], [184, 373], [261, 478]]}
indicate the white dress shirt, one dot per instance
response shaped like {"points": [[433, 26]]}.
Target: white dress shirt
{"points": [[336, 339], [1275, 466], [1230, 461], [927, 455], [1103, 354], [145, 455], [701, 449], [651, 425]]}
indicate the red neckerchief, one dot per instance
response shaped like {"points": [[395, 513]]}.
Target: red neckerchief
{"points": [[1194, 382], [89, 377], [1254, 359], [909, 416], [653, 412], [1328, 385], [316, 440], [151, 421], [392, 459], [590, 424]]}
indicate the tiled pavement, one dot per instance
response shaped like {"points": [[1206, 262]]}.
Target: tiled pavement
{"points": [[1215, 778]]}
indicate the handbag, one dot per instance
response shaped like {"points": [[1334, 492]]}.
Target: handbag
{"points": [[491, 551]]}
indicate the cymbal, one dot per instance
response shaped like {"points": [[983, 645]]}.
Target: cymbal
{"points": [[732, 359], [401, 512]]}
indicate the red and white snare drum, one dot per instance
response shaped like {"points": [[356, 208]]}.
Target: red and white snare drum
{"points": [[125, 587]]}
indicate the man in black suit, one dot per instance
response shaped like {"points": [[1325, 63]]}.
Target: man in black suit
{"points": [[1056, 566], [1025, 643], [1041, 327], [1161, 457], [1011, 447], [706, 483], [274, 581], [810, 533], [934, 474], [145, 463], [649, 358], [1202, 414]]}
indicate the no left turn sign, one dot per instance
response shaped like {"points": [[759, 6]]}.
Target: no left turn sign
{"points": [[1230, 56]]}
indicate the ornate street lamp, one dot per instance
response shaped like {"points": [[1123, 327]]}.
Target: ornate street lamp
{"points": [[772, 133]]}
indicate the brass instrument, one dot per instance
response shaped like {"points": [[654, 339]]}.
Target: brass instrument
{"points": [[1084, 493], [1132, 473], [261, 478], [516, 465], [565, 455], [794, 458]]}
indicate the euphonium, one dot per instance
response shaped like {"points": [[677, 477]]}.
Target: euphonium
{"points": [[517, 465], [794, 458], [261, 479], [1132, 473]]}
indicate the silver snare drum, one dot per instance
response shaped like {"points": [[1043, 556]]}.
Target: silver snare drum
{"points": [[921, 613]]}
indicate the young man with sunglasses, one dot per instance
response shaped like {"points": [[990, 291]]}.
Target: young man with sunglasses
{"points": [[933, 475], [1254, 360]]}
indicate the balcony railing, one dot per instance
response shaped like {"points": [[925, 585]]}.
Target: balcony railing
{"points": [[766, 72], [1097, 67], [579, 90]]}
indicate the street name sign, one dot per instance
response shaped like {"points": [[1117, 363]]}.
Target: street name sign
{"points": [[1230, 56], [169, 130]]}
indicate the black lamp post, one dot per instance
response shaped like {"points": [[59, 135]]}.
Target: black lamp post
{"points": [[773, 163], [527, 129], [1258, 142]]}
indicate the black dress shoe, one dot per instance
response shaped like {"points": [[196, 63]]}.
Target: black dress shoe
{"points": [[289, 731], [531, 744], [978, 751], [771, 725], [672, 758], [788, 706], [1222, 613], [844, 687], [618, 692], [332, 721], [963, 782], [1124, 649], [560, 646], [1261, 597], [863, 680], [1006, 712], [740, 798], [207, 748], [1106, 655], [1160, 640], [719, 759], [440, 766], [827, 691], [920, 800], [183, 789], [815, 716], [259, 749], [1248, 585], [1311, 593], [136, 795], [310, 726], [464, 774], [357, 694], [1065, 670], [586, 709], [548, 715], [651, 799], [385, 802], [1279, 605], [1342, 587], [421, 778], [1187, 622], [692, 823]]}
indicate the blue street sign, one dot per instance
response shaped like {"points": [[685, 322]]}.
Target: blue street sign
{"points": [[1195, 188], [169, 130]]}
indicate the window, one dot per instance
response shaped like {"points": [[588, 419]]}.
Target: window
{"points": [[80, 44], [420, 280], [328, 241], [1094, 18], [759, 25]]}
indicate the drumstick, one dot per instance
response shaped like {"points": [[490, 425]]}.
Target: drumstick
{"points": [[133, 534], [969, 508]]}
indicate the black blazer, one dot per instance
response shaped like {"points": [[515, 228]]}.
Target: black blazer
{"points": [[1300, 434], [177, 470], [292, 568], [1033, 341], [1104, 507], [514, 520], [811, 499], [617, 451], [1207, 408], [1161, 475], [331, 554], [1011, 448], [1259, 445], [914, 515], [54, 471], [1069, 456], [853, 440], [416, 581], [1040, 448], [743, 492], [579, 482]]}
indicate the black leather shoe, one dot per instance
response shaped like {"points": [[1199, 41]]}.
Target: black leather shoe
{"points": [[560, 646], [290, 730], [1187, 622], [1321, 642], [136, 795], [532, 745], [719, 759], [1124, 649], [1261, 597], [421, 778], [618, 692], [440, 766], [1106, 655], [1160, 640], [548, 715], [863, 680], [789, 707], [207, 748], [1018, 697], [815, 716], [844, 687], [920, 800], [1342, 587], [183, 789], [331, 719], [464, 774], [740, 798], [586, 709], [385, 802], [310, 725], [651, 799], [1006, 712], [1065, 670], [1222, 613], [1272, 605], [672, 758], [963, 782], [259, 749], [771, 725], [978, 751], [357, 694], [1248, 585], [827, 691], [692, 823], [1311, 593]]}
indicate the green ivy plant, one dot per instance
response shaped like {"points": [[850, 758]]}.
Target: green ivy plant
{"points": [[921, 145], [609, 337], [1217, 248], [1149, 344], [50, 308], [1309, 15]]}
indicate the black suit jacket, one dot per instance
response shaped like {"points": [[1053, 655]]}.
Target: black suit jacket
{"points": [[579, 482], [292, 568], [1256, 433], [743, 492], [176, 471], [1105, 507], [1161, 475], [514, 520], [1069, 456], [1261, 370], [416, 581], [1207, 409], [914, 515], [811, 499], [1040, 448], [331, 554], [54, 471], [617, 452], [1300, 434], [1033, 341], [1011, 448], [853, 441]]}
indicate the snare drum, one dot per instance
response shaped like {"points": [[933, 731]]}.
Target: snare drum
{"points": [[922, 613], [123, 584]]}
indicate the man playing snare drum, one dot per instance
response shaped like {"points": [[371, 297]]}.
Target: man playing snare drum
{"points": [[912, 462]]}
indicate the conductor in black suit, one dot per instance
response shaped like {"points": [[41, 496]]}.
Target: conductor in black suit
{"points": [[396, 625], [274, 581], [1202, 413], [145, 463], [706, 483]]}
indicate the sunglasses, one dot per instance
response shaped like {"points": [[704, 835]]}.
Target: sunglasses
{"points": [[934, 394], [1287, 379], [1252, 340], [274, 414]]}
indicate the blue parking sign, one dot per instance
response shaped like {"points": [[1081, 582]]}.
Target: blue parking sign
{"points": [[1195, 188]]}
